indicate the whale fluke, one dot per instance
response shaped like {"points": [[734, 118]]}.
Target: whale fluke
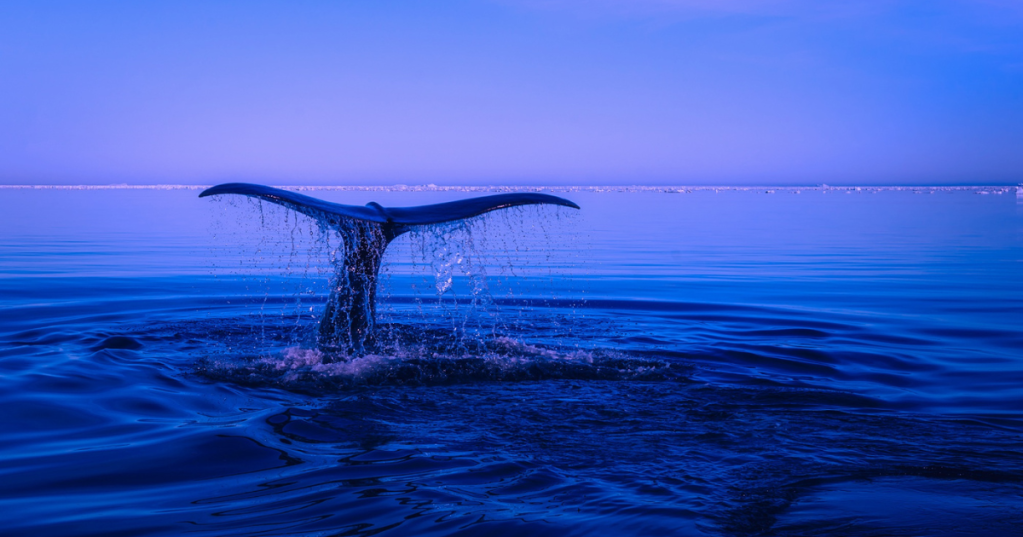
{"points": [[374, 212], [349, 320], [304, 204]]}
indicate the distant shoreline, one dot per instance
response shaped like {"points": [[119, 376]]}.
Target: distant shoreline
{"points": [[666, 189]]}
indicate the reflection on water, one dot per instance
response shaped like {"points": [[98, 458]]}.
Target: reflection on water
{"points": [[685, 364]]}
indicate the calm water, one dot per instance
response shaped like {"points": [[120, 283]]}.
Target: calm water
{"points": [[703, 363]]}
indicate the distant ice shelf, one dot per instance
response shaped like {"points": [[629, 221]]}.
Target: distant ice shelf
{"points": [[824, 189]]}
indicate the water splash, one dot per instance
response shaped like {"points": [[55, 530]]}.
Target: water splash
{"points": [[432, 362], [352, 253]]}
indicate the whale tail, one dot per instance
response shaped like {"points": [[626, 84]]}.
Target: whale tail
{"points": [[349, 321]]}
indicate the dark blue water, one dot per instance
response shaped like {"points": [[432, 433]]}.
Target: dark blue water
{"points": [[733, 363]]}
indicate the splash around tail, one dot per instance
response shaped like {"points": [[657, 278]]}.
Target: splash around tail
{"points": [[348, 325]]}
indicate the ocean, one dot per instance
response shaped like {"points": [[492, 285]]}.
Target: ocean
{"points": [[663, 361]]}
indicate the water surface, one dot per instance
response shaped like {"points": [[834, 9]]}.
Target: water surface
{"points": [[730, 363]]}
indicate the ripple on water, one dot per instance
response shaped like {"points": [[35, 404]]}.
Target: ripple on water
{"points": [[500, 359], [905, 505]]}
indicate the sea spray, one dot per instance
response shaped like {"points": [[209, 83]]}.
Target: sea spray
{"points": [[454, 257]]}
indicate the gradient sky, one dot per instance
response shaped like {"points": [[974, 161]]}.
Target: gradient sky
{"points": [[512, 92]]}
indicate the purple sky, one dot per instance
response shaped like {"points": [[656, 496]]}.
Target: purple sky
{"points": [[512, 92]]}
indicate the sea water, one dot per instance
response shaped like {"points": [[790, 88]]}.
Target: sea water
{"points": [[677, 361]]}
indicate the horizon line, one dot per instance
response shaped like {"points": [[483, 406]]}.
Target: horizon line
{"points": [[430, 187]]}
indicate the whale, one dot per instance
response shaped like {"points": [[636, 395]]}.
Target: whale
{"points": [[348, 323]]}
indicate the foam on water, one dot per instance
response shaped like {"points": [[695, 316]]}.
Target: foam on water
{"points": [[501, 359]]}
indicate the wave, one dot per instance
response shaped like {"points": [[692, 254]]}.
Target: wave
{"points": [[435, 362]]}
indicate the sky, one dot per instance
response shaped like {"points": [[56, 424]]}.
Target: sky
{"points": [[512, 92]]}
